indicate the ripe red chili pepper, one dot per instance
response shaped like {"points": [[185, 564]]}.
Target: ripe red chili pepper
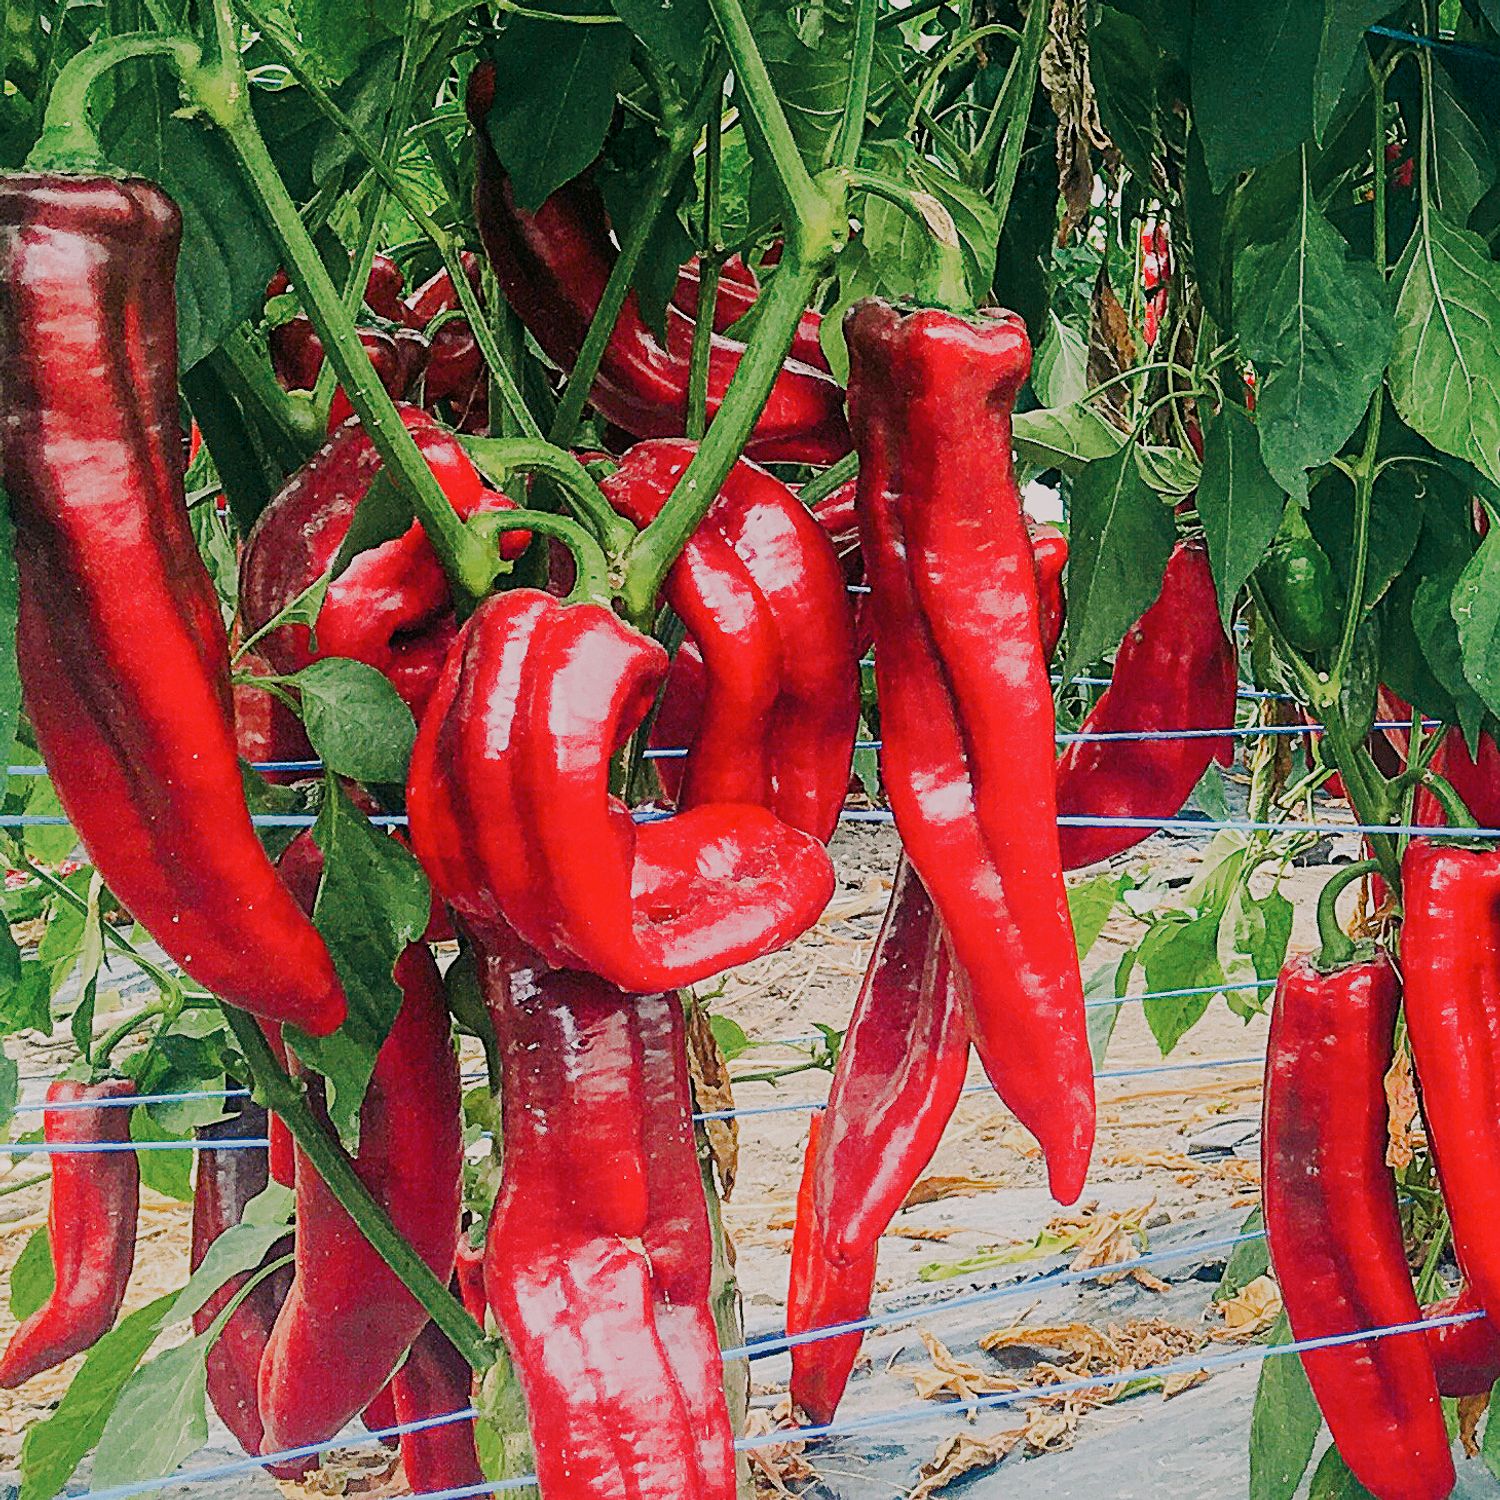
{"points": [[1465, 1356], [1451, 963], [553, 265], [965, 704], [380, 1415], [224, 1183], [759, 591], [738, 290], [598, 1251], [1334, 1229], [90, 1228], [128, 685], [348, 1318], [899, 1074], [436, 1381], [391, 608], [470, 1273], [822, 1294], [1175, 670], [1476, 779], [1049, 556], [390, 368], [534, 699], [383, 288]]}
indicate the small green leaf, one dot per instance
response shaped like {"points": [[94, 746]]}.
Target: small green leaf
{"points": [[1240, 503], [1432, 617], [1489, 1444], [383, 514], [1066, 438], [1340, 55], [1247, 1261], [240, 1248], [159, 1419], [1179, 952], [169, 1173], [1284, 1425], [1476, 612], [31, 1278], [356, 720], [1332, 1480], [1091, 903], [730, 1036], [1060, 371]]}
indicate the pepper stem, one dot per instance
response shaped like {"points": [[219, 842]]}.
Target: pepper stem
{"points": [[947, 285], [1337, 947], [1454, 808], [592, 581], [821, 486]]}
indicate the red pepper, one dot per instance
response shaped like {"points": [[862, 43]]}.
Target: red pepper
{"points": [[390, 368], [1334, 1229], [436, 1381], [90, 1228], [1450, 958], [348, 1319], [123, 656], [535, 698], [380, 1415], [760, 593], [965, 703], [470, 1274], [597, 1263], [899, 1074], [225, 1182], [1465, 1356], [553, 265], [391, 607], [1174, 670], [1049, 556], [822, 1294], [738, 291], [1476, 779]]}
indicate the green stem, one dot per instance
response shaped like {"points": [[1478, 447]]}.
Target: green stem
{"points": [[1012, 109], [655, 549], [956, 53], [532, 455], [709, 272], [286, 1098], [844, 148], [821, 486], [592, 582], [1455, 810], [1337, 948]]}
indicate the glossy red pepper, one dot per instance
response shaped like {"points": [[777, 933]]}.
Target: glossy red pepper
{"points": [[598, 1251], [1450, 960], [899, 1074], [1175, 670], [553, 265], [436, 1381], [1476, 779], [738, 290], [1465, 1356], [90, 1227], [1334, 1229], [759, 591], [348, 1319], [390, 368], [224, 1182], [822, 1294], [1049, 556], [391, 608], [965, 702], [123, 656], [535, 698], [469, 1273]]}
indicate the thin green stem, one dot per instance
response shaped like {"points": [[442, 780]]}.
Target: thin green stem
{"points": [[591, 583], [955, 53], [844, 148], [1454, 807], [280, 1093], [1011, 111], [949, 285], [821, 486], [1337, 948], [710, 269], [531, 455]]}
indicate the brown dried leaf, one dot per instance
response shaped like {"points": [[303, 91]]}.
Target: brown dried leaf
{"points": [[1076, 1339], [1252, 1310], [1175, 1385], [712, 1090], [934, 1188], [951, 1376], [915, 1233], [1112, 348], [775, 1464], [1401, 1107], [1065, 76], [1050, 1429], [959, 1455], [1470, 1410]]}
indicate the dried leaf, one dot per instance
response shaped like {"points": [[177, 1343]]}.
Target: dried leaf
{"points": [[1252, 1310], [1065, 76], [951, 1376], [1470, 1410], [1050, 1429], [712, 1091], [1112, 348], [934, 1188], [1078, 1339], [959, 1455], [1401, 1106]]}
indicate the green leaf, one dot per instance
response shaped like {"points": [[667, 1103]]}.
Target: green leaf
{"points": [[383, 514], [1239, 502], [674, 29], [1064, 438], [1090, 903], [1284, 1425], [1179, 952], [1395, 524], [372, 901], [1475, 605], [240, 1248], [169, 1173], [555, 87], [1332, 1480], [1128, 69], [1318, 327], [1465, 169], [31, 1278], [1433, 618], [1252, 68], [1120, 537], [1445, 369], [1248, 1260], [160, 1418], [54, 1447], [1259, 929], [1489, 1444], [1107, 983], [1060, 371], [356, 720], [730, 1035], [1341, 53]]}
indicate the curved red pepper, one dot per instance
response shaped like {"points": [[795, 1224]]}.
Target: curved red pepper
{"points": [[553, 265], [1476, 778], [390, 367], [821, 1294], [348, 1319], [1334, 1229], [1049, 555], [759, 590], [122, 650], [391, 607], [738, 290], [225, 1182], [965, 703], [598, 1251], [90, 1228], [1174, 670], [1465, 1356], [436, 1381], [1450, 959], [455, 361], [534, 700]]}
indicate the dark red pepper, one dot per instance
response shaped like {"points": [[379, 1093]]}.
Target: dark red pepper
{"points": [[91, 1221], [1465, 1356], [738, 290], [1049, 555], [436, 1381], [122, 650]]}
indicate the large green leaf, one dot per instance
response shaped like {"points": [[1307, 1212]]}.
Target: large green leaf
{"points": [[1128, 70], [675, 29], [159, 1419], [1284, 1425], [1239, 502], [1464, 170], [1341, 53], [1445, 368], [1318, 327]]}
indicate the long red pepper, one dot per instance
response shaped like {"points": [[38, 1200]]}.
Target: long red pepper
{"points": [[1465, 1356], [1334, 1229], [1450, 960], [738, 289], [596, 1262], [123, 655], [1049, 556], [225, 1181], [90, 1227], [822, 1294], [436, 1381], [535, 698], [348, 1318], [966, 707], [553, 265], [760, 593], [1175, 670]]}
